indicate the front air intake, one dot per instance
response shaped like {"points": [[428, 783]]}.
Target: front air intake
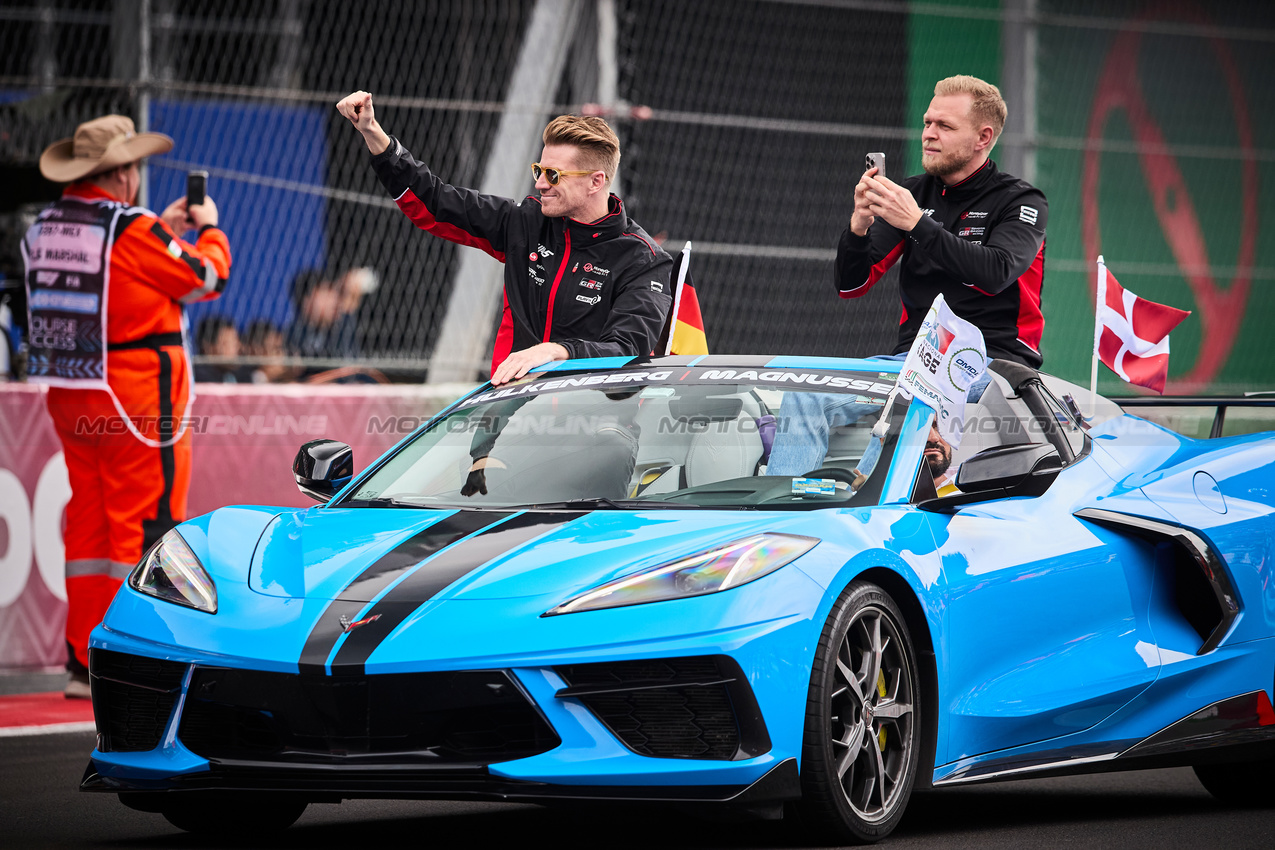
{"points": [[133, 698], [689, 708], [471, 717]]}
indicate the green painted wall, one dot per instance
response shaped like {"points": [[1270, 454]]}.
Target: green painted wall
{"points": [[1187, 92], [940, 46], [1188, 100]]}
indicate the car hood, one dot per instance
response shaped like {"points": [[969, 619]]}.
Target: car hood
{"points": [[356, 554]]}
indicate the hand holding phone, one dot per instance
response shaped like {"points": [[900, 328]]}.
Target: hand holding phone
{"points": [[875, 160], [196, 188]]}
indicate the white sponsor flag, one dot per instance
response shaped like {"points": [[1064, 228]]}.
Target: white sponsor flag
{"points": [[947, 356]]}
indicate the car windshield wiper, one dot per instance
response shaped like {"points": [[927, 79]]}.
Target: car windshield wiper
{"points": [[384, 502], [600, 502]]}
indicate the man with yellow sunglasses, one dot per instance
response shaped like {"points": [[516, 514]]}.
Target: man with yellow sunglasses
{"points": [[582, 279]]}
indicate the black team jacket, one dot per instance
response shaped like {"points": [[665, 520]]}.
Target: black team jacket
{"points": [[599, 289], [980, 242]]}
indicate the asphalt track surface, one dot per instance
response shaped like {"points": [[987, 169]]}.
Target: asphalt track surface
{"points": [[40, 807]]}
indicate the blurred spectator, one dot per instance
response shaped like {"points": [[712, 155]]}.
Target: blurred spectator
{"points": [[354, 284], [263, 339], [325, 325], [217, 336]]}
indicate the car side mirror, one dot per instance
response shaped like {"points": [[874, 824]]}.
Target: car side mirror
{"points": [[1025, 469], [322, 468]]}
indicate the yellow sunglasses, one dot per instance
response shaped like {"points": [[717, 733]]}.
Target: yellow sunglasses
{"points": [[553, 175]]}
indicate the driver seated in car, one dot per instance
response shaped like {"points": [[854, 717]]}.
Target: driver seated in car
{"points": [[938, 454]]}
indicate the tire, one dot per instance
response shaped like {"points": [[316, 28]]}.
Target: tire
{"points": [[233, 815], [863, 725], [1245, 784]]}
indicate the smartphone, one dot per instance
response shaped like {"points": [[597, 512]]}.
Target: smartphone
{"points": [[196, 187], [877, 161]]}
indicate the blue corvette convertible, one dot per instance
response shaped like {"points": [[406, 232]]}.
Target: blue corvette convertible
{"points": [[607, 581]]}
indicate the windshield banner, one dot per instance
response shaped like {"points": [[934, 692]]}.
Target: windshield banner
{"points": [[947, 356]]}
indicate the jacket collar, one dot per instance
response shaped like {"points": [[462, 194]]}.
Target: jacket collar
{"points": [[86, 191], [609, 226], [976, 182]]}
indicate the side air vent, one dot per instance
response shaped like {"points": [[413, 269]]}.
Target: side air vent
{"points": [[1202, 589]]}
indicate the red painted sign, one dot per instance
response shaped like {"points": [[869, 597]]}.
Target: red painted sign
{"points": [[1119, 89]]}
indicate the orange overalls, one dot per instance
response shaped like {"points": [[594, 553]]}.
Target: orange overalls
{"points": [[126, 491]]}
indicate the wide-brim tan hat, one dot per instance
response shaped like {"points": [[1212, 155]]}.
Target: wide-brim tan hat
{"points": [[100, 145]]}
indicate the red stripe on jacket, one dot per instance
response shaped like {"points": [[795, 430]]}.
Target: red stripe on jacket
{"points": [[876, 273], [420, 215], [1031, 321], [504, 337]]}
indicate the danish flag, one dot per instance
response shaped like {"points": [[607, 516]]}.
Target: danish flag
{"points": [[1134, 340]]}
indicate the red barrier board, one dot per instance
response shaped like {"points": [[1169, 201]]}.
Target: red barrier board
{"points": [[245, 438]]}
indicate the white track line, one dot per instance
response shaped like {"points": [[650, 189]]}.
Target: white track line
{"points": [[49, 729]]}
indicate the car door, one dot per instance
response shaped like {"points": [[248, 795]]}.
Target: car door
{"points": [[1046, 628]]}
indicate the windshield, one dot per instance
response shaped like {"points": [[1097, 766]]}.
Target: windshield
{"points": [[672, 437]]}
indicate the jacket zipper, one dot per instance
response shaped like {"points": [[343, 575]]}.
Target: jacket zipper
{"points": [[553, 292]]}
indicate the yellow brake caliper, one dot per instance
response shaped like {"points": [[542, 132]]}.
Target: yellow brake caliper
{"points": [[881, 693]]}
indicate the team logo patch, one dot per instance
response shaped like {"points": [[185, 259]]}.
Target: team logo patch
{"points": [[590, 300], [656, 286], [533, 256], [1028, 214]]}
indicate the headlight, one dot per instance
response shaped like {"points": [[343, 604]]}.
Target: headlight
{"points": [[720, 568], [170, 571]]}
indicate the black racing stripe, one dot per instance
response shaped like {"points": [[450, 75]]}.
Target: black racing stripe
{"points": [[378, 576], [433, 577]]}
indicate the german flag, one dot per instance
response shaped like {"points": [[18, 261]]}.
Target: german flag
{"points": [[684, 330]]}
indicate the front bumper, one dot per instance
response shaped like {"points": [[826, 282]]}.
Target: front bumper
{"points": [[762, 798], [685, 730]]}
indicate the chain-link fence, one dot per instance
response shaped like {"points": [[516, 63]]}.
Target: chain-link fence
{"points": [[1142, 122]]}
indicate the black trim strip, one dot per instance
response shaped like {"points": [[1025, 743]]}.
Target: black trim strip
{"points": [[382, 572], [151, 341], [594, 690], [195, 265], [1245, 717], [432, 577], [433, 782], [153, 530], [158, 231]]}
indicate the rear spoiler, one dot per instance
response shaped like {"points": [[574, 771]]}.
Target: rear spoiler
{"points": [[1219, 403]]}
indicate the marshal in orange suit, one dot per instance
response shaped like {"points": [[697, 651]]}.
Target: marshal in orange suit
{"points": [[106, 282]]}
